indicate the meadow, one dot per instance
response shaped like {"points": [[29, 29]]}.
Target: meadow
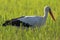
{"points": [[16, 8]]}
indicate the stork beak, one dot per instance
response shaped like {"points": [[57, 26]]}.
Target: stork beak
{"points": [[51, 15]]}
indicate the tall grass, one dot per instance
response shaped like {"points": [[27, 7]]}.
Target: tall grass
{"points": [[15, 8]]}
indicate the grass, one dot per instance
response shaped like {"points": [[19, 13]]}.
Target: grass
{"points": [[15, 8]]}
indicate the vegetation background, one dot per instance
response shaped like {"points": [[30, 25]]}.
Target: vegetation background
{"points": [[15, 8]]}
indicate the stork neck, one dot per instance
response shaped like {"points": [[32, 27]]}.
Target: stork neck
{"points": [[45, 14]]}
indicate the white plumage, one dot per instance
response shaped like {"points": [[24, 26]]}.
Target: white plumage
{"points": [[37, 20], [32, 20]]}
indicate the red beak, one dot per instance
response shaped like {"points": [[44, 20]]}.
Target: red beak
{"points": [[51, 15]]}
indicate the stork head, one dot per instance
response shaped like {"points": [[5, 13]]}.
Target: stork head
{"points": [[48, 9]]}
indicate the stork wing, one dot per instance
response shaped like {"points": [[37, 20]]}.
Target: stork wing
{"points": [[18, 18]]}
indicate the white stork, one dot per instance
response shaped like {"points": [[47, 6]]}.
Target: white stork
{"points": [[31, 20]]}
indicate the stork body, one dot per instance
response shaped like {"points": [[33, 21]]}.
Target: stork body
{"points": [[33, 20]]}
